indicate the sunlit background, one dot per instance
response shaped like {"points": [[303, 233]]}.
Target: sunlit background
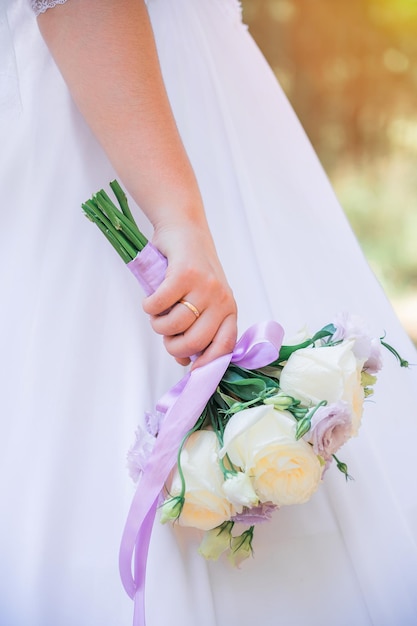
{"points": [[349, 68]]}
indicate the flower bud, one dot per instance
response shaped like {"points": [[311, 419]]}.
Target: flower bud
{"points": [[303, 427], [241, 547], [281, 401], [171, 509], [342, 467], [216, 541], [367, 380]]}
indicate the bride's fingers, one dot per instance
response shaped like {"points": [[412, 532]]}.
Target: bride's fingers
{"points": [[184, 362], [179, 319], [211, 330], [223, 342], [170, 292], [193, 341]]}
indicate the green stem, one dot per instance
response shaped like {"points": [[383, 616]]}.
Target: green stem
{"points": [[239, 406], [122, 200], [402, 362], [117, 239], [342, 467], [120, 221], [118, 225], [114, 242]]}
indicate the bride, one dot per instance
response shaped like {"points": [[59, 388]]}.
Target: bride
{"points": [[175, 99]]}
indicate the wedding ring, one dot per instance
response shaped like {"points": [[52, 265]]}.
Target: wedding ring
{"points": [[190, 306]]}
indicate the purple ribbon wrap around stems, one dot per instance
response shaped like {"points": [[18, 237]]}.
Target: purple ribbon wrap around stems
{"points": [[182, 406]]}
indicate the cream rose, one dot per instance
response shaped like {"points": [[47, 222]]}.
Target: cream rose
{"points": [[329, 373], [205, 505], [261, 442]]}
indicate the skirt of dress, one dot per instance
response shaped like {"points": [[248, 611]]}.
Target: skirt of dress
{"points": [[79, 363]]}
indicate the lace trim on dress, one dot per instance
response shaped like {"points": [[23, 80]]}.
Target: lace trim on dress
{"points": [[40, 6]]}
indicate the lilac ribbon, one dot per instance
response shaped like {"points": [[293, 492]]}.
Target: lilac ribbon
{"points": [[149, 268], [182, 406]]}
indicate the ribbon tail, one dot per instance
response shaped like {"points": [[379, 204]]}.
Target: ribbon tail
{"points": [[141, 557], [180, 418]]}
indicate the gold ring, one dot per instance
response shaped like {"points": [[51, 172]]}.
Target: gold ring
{"points": [[190, 306]]}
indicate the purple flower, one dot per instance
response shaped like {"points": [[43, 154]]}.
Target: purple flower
{"points": [[256, 514], [331, 427], [139, 453], [374, 361], [366, 348], [153, 422]]}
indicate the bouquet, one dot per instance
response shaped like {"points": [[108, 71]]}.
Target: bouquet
{"points": [[245, 434]]}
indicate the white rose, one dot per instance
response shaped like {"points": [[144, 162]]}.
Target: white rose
{"points": [[261, 441], [329, 373], [205, 505]]}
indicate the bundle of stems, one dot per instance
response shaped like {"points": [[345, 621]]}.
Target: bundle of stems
{"points": [[117, 224]]}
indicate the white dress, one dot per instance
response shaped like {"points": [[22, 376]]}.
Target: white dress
{"points": [[79, 363]]}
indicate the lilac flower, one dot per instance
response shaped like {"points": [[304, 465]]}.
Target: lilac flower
{"points": [[366, 348], [374, 361], [256, 514], [153, 422], [139, 453], [331, 427]]}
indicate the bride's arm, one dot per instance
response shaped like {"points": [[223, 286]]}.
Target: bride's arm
{"points": [[106, 52]]}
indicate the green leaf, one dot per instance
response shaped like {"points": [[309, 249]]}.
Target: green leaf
{"points": [[286, 351], [228, 400], [245, 389]]}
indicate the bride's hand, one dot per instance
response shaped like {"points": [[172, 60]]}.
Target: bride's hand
{"points": [[205, 323]]}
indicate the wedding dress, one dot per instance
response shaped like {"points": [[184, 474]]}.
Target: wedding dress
{"points": [[80, 365]]}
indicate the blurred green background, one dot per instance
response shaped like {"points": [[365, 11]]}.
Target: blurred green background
{"points": [[349, 68]]}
